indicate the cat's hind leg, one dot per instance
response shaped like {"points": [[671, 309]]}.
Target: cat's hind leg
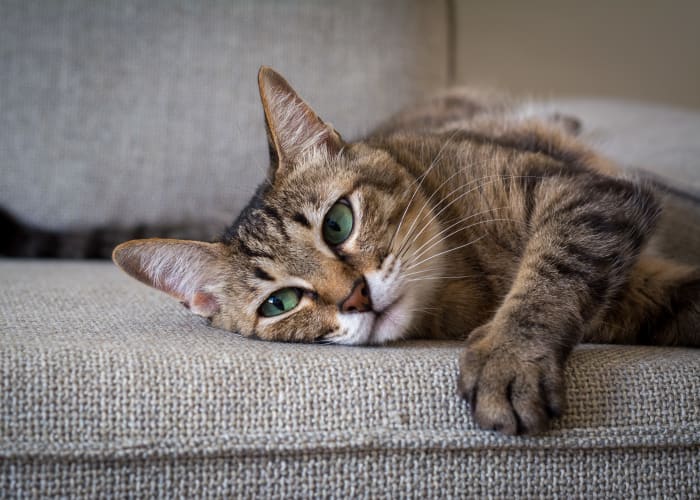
{"points": [[660, 305]]}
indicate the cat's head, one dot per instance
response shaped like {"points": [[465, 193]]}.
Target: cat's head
{"points": [[338, 245]]}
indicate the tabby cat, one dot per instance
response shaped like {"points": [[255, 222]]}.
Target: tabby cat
{"points": [[456, 219]]}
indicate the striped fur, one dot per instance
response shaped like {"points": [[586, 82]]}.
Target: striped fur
{"points": [[472, 220]]}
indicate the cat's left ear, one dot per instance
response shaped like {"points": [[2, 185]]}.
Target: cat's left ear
{"points": [[293, 128], [191, 271]]}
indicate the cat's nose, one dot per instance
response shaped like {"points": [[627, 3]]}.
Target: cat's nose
{"points": [[359, 299]]}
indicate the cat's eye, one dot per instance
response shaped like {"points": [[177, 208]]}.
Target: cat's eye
{"points": [[338, 223], [280, 302]]}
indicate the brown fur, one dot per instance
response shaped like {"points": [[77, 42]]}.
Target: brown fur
{"points": [[469, 222]]}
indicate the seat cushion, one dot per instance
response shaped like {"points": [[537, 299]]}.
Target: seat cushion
{"points": [[659, 139], [109, 387]]}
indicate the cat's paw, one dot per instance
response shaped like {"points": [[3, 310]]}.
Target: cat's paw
{"points": [[512, 387]]}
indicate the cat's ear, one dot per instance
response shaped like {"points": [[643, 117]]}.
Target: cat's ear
{"points": [[293, 128], [190, 271]]}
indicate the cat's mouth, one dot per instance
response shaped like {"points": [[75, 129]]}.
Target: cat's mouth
{"points": [[389, 323]]}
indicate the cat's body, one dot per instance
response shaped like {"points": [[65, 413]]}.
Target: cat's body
{"points": [[456, 219], [506, 175]]}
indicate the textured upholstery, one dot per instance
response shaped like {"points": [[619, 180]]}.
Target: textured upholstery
{"points": [[125, 111], [147, 111], [110, 387]]}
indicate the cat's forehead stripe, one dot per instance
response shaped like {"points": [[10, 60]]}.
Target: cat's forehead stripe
{"points": [[263, 275], [262, 232], [250, 252], [377, 183], [301, 219], [274, 217]]}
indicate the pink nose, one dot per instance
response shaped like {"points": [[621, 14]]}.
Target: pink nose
{"points": [[359, 299]]}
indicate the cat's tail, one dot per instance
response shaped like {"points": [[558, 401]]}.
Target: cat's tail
{"points": [[24, 240]]}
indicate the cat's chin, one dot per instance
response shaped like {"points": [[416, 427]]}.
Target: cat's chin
{"points": [[376, 328], [391, 324]]}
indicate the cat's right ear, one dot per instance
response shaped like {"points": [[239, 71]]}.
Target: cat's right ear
{"points": [[293, 128], [190, 271]]}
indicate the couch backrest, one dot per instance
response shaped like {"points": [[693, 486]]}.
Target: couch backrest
{"points": [[128, 111]]}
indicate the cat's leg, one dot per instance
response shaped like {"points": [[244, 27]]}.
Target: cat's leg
{"points": [[659, 305], [585, 237]]}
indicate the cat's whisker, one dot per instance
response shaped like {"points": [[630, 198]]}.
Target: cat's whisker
{"points": [[426, 204], [423, 271], [445, 199], [420, 215], [442, 278], [459, 221], [493, 178], [422, 177], [446, 237], [462, 195], [460, 171], [447, 251], [427, 271]]}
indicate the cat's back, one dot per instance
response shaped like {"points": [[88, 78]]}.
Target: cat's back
{"points": [[453, 108]]}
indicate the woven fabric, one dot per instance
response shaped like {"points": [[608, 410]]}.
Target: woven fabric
{"points": [[108, 388], [378, 473], [130, 111]]}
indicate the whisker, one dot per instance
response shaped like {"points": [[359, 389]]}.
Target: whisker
{"points": [[459, 221], [493, 178], [427, 202], [442, 278], [422, 177], [446, 252], [462, 195], [436, 191], [422, 271], [445, 198], [417, 255], [460, 170]]}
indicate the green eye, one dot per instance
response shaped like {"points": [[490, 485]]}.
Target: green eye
{"points": [[337, 225], [280, 302]]}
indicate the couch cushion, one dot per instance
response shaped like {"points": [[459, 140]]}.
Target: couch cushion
{"points": [[660, 139], [131, 111], [107, 386]]}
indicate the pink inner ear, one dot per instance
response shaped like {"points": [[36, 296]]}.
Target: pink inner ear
{"points": [[204, 304]]}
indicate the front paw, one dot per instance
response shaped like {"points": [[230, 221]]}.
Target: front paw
{"points": [[512, 387]]}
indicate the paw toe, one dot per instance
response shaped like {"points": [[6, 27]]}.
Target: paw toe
{"points": [[509, 396]]}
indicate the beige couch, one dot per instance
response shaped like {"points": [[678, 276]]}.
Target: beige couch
{"points": [[131, 111]]}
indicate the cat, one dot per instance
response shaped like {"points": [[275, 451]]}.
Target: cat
{"points": [[457, 218]]}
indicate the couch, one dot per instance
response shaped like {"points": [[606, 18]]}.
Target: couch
{"points": [[146, 112]]}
